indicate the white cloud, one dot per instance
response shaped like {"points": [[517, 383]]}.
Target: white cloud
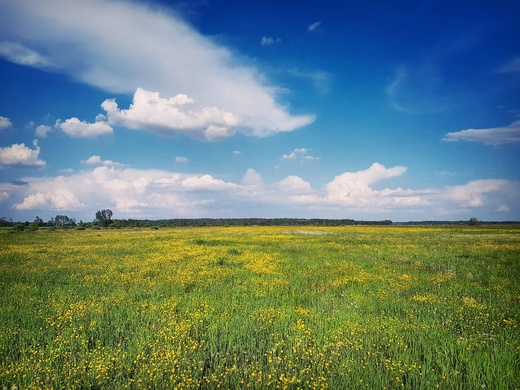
{"points": [[253, 179], [267, 41], [42, 131], [75, 128], [5, 123], [314, 27], [22, 55], [354, 188], [294, 185], [149, 111], [119, 46], [207, 183], [181, 159], [474, 193], [299, 153], [96, 160], [64, 200], [21, 155], [136, 193], [492, 136]]}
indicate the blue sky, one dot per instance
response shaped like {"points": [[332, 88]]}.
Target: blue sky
{"points": [[370, 110]]}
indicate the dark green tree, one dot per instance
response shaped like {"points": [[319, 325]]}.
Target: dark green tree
{"points": [[104, 217], [473, 221], [63, 220]]}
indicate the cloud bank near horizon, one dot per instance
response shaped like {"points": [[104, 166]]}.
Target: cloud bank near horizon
{"points": [[145, 48], [138, 193]]}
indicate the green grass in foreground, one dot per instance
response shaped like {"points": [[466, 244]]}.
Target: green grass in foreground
{"points": [[264, 308]]}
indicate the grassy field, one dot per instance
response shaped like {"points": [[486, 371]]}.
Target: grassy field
{"points": [[261, 308]]}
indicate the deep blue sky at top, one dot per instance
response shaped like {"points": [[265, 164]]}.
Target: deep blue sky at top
{"points": [[386, 82]]}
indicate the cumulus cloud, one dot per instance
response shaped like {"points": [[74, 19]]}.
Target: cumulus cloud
{"points": [[299, 153], [75, 128], [141, 193], [473, 194], [127, 191], [19, 155], [253, 179], [207, 183], [119, 46], [294, 185], [171, 116], [96, 160], [493, 136], [63, 201], [5, 123], [294, 153], [42, 131], [354, 188]]}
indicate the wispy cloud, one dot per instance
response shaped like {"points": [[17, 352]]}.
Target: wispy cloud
{"points": [[321, 80], [268, 41], [181, 159], [314, 26], [418, 90], [22, 55], [492, 136], [511, 66], [164, 55]]}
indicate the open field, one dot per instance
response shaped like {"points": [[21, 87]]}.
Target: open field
{"points": [[270, 307]]}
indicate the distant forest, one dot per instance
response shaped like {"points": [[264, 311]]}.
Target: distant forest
{"points": [[64, 222]]}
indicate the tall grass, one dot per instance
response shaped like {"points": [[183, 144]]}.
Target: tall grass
{"points": [[271, 307]]}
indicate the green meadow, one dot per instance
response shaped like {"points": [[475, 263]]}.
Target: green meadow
{"points": [[262, 308]]}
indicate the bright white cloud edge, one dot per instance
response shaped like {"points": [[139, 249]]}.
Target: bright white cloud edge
{"points": [[19, 155], [5, 123], [493, 136], [137, 193], [165, 55]]}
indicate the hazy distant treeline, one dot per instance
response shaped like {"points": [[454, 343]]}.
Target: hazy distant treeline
{"points": [[243, 222]]}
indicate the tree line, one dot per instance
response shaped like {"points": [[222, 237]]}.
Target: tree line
{"points": [[104, 219]]}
